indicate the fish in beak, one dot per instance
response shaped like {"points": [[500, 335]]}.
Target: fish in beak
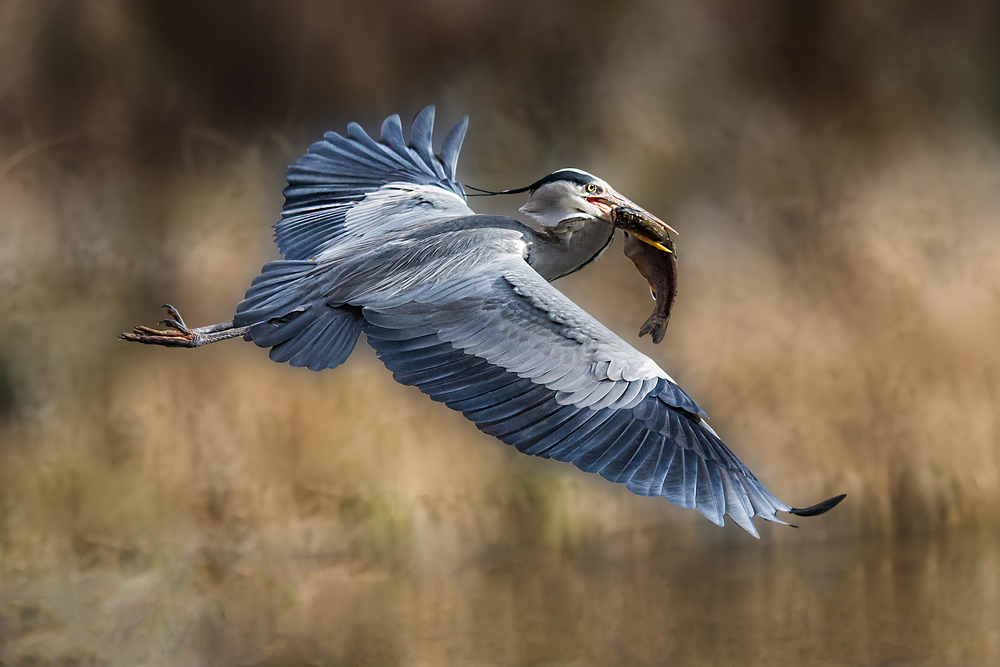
{"points": [[658, 268], [629, 217]]}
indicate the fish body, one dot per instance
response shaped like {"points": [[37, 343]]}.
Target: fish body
{"points": [[658, 266]]}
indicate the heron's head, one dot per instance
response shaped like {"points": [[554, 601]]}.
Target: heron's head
{"points": [[570, 194]]}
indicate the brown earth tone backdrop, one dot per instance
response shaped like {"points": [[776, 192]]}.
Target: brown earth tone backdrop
{"points": [[834, 171]]}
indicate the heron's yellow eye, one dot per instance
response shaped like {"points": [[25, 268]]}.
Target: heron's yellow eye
{"points": [[591, 188]]}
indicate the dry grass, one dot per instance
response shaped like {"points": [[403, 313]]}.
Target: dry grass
{"points": [[209, 499]]}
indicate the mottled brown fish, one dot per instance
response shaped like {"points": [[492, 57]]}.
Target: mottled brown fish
{"points": [[657, 263]]}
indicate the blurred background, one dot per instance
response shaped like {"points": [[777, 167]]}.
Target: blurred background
{"points": [[834, 171]]}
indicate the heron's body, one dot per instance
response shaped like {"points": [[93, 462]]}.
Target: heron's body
{"points": [[377, 238]]}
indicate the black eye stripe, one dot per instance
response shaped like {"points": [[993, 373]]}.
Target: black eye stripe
{"points": [[567, 175], [562, 175]]}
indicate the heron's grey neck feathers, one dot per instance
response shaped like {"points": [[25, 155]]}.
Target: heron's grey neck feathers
{"points": [[571, 236], [569, 246]]}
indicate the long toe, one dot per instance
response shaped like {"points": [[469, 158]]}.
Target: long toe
{"points": [[166, 338], [174, 333]]}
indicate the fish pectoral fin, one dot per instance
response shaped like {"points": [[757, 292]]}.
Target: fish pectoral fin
{"points": [[655, 244]]}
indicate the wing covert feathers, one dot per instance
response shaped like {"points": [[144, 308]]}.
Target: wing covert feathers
{"points": [[339, 172]]}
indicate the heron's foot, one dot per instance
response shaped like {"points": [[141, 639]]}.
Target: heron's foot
{"points": [[177, 335]]}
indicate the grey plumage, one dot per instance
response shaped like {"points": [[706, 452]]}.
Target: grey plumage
{"points": [[377, 237], [335, 173]]}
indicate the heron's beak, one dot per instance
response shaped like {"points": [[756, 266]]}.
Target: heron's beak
{"points": [[626, 215]]}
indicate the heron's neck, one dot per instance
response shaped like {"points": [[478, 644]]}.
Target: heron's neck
{"points": [[569, 246]]}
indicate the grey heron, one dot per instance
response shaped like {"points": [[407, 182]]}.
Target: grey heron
{"points": [[377, 238]]}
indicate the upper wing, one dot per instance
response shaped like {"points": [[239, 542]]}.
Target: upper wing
{"points": [[528, 366], [354, 184]]}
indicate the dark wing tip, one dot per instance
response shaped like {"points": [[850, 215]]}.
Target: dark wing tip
{"points": [[818, 508]]}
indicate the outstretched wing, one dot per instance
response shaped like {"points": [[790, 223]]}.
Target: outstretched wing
{"points": [[530, 367], [354, 185]]}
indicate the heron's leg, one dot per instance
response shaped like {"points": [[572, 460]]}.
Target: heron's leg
{"points": [[179, 335]]}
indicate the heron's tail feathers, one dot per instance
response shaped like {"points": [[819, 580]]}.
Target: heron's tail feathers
{"points": [[298, 327]]}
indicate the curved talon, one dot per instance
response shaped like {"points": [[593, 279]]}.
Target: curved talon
{"points": [[174, 324], [175, 314]]}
